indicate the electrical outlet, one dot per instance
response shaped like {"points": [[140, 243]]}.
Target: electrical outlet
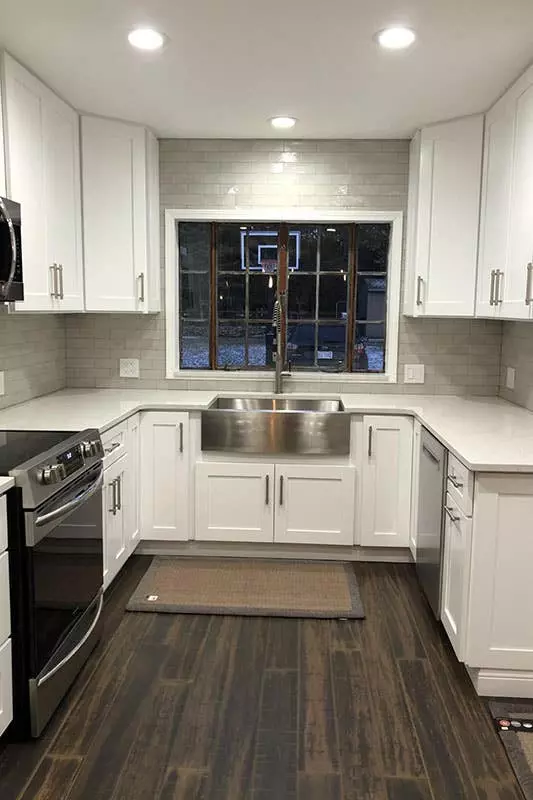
{"points": [[129, 367], [2, 383], [509, 377], [413, 373]]}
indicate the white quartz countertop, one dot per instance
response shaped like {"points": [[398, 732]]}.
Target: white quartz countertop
{"points": [[487, 434], [5, 484]]}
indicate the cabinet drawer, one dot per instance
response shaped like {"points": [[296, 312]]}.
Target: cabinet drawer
{"points": [[3, 523], [115, 443], [5, 610], [6, 686], [460, 485]]}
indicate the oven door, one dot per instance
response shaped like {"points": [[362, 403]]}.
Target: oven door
{"points": [[64, 540], [11, 286]]}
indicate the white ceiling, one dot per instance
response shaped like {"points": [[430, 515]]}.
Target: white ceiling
{"points": [[231, 64]]}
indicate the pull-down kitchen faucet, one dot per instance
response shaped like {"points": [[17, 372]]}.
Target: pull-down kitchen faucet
{"points": [[279, 310]]}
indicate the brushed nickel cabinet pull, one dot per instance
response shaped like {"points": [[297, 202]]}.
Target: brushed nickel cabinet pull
{"points": [[140, 279], [370, 434], [281, 490], [419, 282], [181, 437], [492, 281], [267, 490], [119, 493], [53, 280], [497, 293], [61, 287], [528, 283]]}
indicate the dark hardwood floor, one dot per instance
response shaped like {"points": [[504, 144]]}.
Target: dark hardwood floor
{"points": [[228, 708]]}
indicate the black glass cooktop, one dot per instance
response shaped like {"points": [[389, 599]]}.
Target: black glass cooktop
{"points": [[17, 447]]}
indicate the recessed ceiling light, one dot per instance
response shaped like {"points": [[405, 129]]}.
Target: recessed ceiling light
{"points": [[283, 122], [396, 37], [146, 39]]}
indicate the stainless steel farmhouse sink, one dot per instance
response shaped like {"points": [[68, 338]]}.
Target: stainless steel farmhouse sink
{"points": [[267, 425]]}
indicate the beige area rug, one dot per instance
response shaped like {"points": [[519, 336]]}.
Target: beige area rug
{"points": [[514, 722], [249, 587]]}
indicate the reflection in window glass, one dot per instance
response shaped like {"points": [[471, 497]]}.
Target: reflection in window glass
{"points": [[369, 349], [231, 296], [260, 339], [333, 297], [230, 345], [371, 297], [373, 246], [301, 343], [331, 351], [194, 239], [302, 296], [334, 248]]}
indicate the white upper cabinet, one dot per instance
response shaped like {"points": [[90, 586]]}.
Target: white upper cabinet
{"points": [[120, 216], [386, 481], [505, 280], [443, 219], [41, 140]]}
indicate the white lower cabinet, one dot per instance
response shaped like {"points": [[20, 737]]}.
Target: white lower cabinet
{"points": [[235, 502], [133, 507], [165, 476], [115, 514], [285, 503], [500, 627], [456, 575], [315, 504], [6, 686], [386, 481]]}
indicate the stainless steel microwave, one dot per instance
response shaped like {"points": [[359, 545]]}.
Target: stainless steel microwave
{"points": [[11, 285]]}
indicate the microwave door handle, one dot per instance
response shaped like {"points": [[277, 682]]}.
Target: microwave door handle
{"points": [[13, 240], [77, 501]]}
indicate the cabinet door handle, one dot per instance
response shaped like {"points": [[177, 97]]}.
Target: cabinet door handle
{"points": [[419, 282], [370, 435], [528, 283], [497, 293], [456, 483], [267, 490], [119, 493], [114, 446], [140, 279], [53, 280], [281, 490], [61, 291], [113, 509], [492, 279], [451, 515], [181, 437]]}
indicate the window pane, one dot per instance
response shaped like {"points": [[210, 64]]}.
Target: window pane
{"points": [[230, 345], [369, 350], [303, 245], [301, 345], [194, 345], [194, 299], [262, 293], [194, 240], [230, 296], [333, 297], [302, 296], [260, 339], [228, 246], [331, 353], [334, 248], [262, 242], [373, 246], [371, 298]]}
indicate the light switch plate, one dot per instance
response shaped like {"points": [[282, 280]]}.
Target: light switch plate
{"points": [[413, 373], [509, 377], [129, 367]]}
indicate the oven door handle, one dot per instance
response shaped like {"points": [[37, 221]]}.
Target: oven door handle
{"points": [[77, 501], [13, 242], [78, 647]]}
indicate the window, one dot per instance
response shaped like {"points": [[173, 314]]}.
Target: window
{"points": [[335, 279]]}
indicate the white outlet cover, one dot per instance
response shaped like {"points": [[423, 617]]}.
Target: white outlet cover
{"points": [[413, 373], [510, 377], [129, 367]]}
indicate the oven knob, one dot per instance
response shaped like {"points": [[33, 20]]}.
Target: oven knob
{"points": [[52, 474], [91, 448]]}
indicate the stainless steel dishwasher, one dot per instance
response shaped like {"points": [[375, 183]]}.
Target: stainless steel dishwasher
{"points": [[430, 528]]}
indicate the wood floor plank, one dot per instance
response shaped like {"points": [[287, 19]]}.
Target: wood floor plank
{"points": [[498, 790], [396, 734], [283, 643], [160, 714], [484, 755], [184, 785], [346, 634], [186, 643], [276, 747], [361, 766], [194, 740], [408, 789], [442, 754], [52, 779], [318, 748], [318, 787], [109, 750], [232, 757]]}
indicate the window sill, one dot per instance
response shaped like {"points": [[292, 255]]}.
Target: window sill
{"points": [[294, 378]]}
